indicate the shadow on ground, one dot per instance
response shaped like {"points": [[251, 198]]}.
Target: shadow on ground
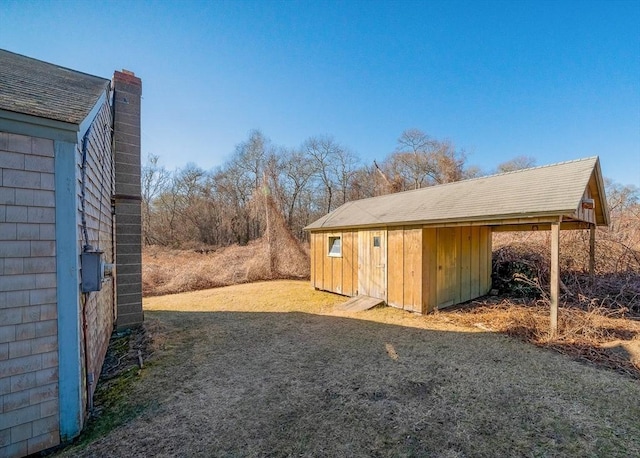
{"points": [[298, 384]]}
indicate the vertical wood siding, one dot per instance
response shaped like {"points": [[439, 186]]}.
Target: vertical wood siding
{"points": [[349, 265], [330, 273], [412, 269], [415, 269], [586, 214], [463, 268], [430, 268]]}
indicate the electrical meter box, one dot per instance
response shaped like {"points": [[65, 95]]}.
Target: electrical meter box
{"points": [[92, 271]]}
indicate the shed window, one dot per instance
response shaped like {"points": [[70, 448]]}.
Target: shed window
{"points": [[376, 241], [335, 246]]}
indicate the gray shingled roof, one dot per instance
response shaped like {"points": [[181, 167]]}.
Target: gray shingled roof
{"points": [[541, 191], [46, 90]]}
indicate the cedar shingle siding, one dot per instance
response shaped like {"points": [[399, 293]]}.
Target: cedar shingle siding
{"points": [[58, 177], [28, 308]]}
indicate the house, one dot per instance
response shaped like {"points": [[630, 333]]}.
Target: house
{"points": [[430, 248], [70, 258]]}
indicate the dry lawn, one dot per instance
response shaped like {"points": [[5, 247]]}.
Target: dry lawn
{"points": [[269, 369]]}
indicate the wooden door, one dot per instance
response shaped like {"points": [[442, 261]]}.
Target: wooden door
{"points": [[412, 270], [372, 260]]}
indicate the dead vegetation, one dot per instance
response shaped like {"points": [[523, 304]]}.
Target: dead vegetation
{"points": [[596, 336], [599, 319], [275, 255], [170, 271]]}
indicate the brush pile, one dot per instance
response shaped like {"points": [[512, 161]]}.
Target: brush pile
{"points": [[521, 265]]}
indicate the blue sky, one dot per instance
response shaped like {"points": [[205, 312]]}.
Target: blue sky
{"points": [[555, 80]]}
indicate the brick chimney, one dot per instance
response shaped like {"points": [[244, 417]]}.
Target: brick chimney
{"points": [[127, 199]]}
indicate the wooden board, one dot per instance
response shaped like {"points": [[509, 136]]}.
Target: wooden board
{"points": [[430, 268], [584, 214], [326, 271], [359, 303], [347, 264], [485, 239], [447, 274], [465, 264], [336, 271], [312, 256], [475, 262], [554, 281], [319, 255], [395, 290], [412, 270], [354, 261]]}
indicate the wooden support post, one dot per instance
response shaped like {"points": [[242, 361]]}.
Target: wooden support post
{"points": [[555, 275], [592, 252]]}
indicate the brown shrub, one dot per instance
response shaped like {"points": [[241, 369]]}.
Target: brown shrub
{"points": [[521, 265], [169, 271]]}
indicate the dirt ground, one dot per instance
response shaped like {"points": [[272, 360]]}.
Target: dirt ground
{"points": [[269, 369]]}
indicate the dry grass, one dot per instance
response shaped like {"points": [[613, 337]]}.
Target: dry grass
{"points": [[269, 369], [596, 336], [277, 255], [169, 271]]}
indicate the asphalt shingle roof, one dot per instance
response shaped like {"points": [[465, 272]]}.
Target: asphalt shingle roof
{"points": [[37, 88], [548, 190]]}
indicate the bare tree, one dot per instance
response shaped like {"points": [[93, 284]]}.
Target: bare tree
{"points": [[517, 163], [251, 155], [154, 180], [345, 164], [322, 151], [294, 171], [236, 202], [420, 160], [366, 182], [413, 157]]}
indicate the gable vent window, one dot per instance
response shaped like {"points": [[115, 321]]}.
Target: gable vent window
{"points": [[376, 241], [335, 246]]}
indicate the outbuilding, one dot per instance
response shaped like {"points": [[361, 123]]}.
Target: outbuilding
{"points": [[430, 248]]}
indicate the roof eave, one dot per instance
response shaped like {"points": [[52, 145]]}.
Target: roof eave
{"points": [[26, 124], [493, 220]]}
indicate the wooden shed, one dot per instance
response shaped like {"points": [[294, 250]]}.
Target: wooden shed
{"points": [[431, 248]]}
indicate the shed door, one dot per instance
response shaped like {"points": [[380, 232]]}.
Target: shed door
{"points": [[372, 260]]}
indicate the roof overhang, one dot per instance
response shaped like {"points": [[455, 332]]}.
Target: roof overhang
{"points": [[508, 199], [24, 124], [494, 220], [35, 126]]}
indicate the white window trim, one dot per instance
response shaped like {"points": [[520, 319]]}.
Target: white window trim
{"points": [[331, 239]]}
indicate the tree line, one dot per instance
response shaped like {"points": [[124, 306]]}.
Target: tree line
{"points": [[192, 206]]}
